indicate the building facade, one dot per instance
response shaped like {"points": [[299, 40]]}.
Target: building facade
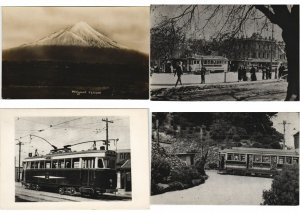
{"points": [[124, 169], [255, 50]]}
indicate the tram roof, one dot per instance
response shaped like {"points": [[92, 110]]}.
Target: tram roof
{"points": [[261, 151], [209, 57], [73, 154]]}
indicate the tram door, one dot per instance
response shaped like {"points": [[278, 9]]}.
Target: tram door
{"points": [[273, 162], [249, 161]]}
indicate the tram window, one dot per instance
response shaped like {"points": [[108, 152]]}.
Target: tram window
{"points": [[295, 160], [48, 164], [281, 160], [257, 158], [229, 156], [54, 164], [243, 157], [236, 157], [109, 163], [28, 165], [68, 163], [289, 160], [100, 163], [266, 159], [75, 163], [87, 163], [42, 164], [61, 164]]}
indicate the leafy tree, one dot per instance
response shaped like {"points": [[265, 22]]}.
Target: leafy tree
{"points": [[285, 188], [231, 21]]}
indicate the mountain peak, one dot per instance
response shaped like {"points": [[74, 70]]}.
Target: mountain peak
{"points": [[80, 34]]}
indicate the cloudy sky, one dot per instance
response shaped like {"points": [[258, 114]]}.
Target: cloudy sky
{"points": [[61, 131], [126, 25]]}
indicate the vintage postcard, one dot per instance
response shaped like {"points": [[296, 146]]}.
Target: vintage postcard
{"points": [[224, 52], [225, 158], [70, 156], [75, 53]]}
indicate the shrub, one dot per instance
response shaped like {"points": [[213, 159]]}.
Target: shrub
{"points": [[284, 189]]}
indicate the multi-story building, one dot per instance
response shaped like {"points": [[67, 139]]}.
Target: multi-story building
{"points": [[254, 50]]}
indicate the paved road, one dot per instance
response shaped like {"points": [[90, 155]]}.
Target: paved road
{"points": [[25, 195], [266, 90], [219, 190], [166, 80]]}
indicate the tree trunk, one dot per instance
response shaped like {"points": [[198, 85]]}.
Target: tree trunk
{"points": [[291, 39], [290, 35]]}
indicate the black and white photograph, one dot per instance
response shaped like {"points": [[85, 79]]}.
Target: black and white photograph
{"points": [[72, 159], [226, 158], [75, 53], [224, 52]]}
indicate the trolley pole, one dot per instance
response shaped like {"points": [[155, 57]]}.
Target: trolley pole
{"points": [[107, 121], [19, 168]]}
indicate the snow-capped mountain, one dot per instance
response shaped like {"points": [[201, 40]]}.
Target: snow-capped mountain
{"points": [[80, 34]]}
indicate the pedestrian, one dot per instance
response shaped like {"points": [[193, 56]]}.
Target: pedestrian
{"points": [[263, 72], [203, 72], [281, 69], [240, 70], [268, 72], [253, 73], [245, 74], [178, 72]]}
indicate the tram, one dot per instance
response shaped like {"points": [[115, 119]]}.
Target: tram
{"points": [[255, 161], [90, 172], [213, 64]]}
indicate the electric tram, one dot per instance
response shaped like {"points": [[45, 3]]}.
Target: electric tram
{"points": [[89, 172], [254, 161]]}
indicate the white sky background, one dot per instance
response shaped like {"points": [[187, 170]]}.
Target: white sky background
{"points": [[291, 129], [79, 130], [128, 26], [159, 12]]}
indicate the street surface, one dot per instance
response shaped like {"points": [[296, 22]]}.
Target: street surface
{"points": [[26, 195], [162, 88], [219, 190]]}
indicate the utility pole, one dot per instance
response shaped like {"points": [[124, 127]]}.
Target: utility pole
{"points": [[284, 123], [157, 130], [272, 47], [19, 168], [107, 121]]}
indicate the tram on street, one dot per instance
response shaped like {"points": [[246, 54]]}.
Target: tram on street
{"points": [[213, 64], [90, 172], [255, 161]]}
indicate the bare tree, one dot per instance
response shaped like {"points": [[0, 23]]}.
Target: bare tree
{"points": [[229, 21]]}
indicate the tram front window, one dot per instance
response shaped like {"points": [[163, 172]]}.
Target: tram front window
{"points": [[109, 163]]}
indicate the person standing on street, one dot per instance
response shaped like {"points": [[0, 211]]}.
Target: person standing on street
{"points": [[178, 72], [240, 71], [281, 69], [203, 72], [264, 70], [253, 73]]}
